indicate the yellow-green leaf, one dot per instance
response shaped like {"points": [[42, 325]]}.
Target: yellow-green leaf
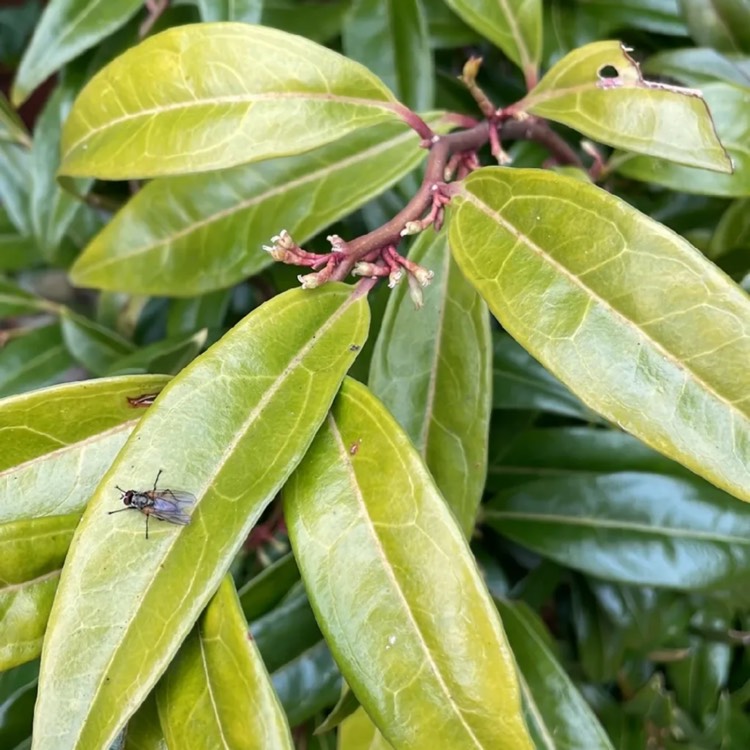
{"points": [[395, 588], [209, 96], [630, 316], [217, 693], [598, 90], [729, 106], [229, 430]]}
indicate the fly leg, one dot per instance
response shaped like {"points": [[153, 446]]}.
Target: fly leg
{"points": [[156, 481]]}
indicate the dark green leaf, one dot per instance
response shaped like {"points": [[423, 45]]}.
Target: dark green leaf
{"points": [[634, 528], [94, 346], [390, 38], [67, 28]]}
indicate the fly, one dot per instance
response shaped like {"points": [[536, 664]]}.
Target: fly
{"points": [[165, 505]]}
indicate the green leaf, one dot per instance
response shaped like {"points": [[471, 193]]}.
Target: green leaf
{"points": [[255, 399], [31, 557], [246, 11], [14, 185], [94, 346], [168, 356], [128, 122], [36, 359], [697, 66], [657, 16], [17, 696], [723, 24], [431, 368], [264, 591], [11, 126], [625, 111], [67, 28], [390, 38], [568, 451], [594, 314], [395, 589], [59, 442], [633, 528], [17, 250], [520, 382], [216, 692], [319, 20], [52, 208], [357, 732], [556, 713], [144, 730], [515, 26], [733, 230], [346, 706], [204, 232], [728, 105], [17, 301]]}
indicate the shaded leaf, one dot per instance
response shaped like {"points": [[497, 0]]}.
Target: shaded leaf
{"points": [[568, 451], [193, 233], [251, 398], [14, 185], [94, 346], [36, 359], [128, 123], [431, 368], [67, 28], [556, 713], [380, 555], [17, 696], [697, 66], [216, 692], [358, 732], [264, 591], [168, 356], [515, 26], [594, 315], [599, 91], [631, 527], [17, 301], [390, 38], [11, 126], [520, 382], [733, 230], [144, 729], [728, 105], [722, 24]]}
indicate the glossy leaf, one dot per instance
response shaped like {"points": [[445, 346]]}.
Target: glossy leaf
{"points": [[194, 233], [130, 123], [67, 28], [319, 20], [52, 208], [217, 693], [697, 66], [14, 185], [520, 382], [728, 105], [31, 557], [390, 38], [658, 16], [94, 346], [246, 11], [357, 732], [264, 591], [17, 695], [594, 314], [515, 26], [144, 730], [556, 713], [625, 111], [251, 398], [59, 442], [631, 527], [380, 555], [722, 24], [432, 369], [36, 359], [568, 451]]}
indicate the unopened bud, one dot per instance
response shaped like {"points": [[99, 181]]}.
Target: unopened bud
{"points": [[337, 244], [394, 277], [415, 291], [411, 227], [423, 276]]}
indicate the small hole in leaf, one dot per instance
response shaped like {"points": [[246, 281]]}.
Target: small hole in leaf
{"points": [[608, 71]]}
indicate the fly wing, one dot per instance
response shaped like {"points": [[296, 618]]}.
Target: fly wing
{"points": [[170, 505]]}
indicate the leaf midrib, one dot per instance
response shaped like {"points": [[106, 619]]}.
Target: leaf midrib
{"points": [[598, 299]]}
